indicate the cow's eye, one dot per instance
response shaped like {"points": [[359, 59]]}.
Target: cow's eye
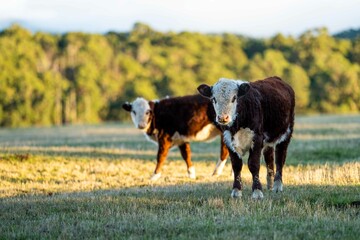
{"points": [[133, 112], [234, 98], [214, 100], [147, 112]]}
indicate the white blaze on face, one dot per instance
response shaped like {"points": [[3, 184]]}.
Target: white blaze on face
{"points": [[140, 113], [224, 99]]}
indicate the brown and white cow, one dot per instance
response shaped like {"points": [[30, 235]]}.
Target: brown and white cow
{"points": [[255, 117], [176, 122]]}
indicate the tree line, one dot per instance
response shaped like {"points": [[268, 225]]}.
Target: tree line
{"points": [[54, 79]]}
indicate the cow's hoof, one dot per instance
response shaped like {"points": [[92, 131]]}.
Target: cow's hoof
{"points": [[155, 176], [236, 193], [257, 194], [219, 167], [278, 186], [191, 172]]}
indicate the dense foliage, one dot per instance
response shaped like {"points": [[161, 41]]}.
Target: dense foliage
{"points": [[83, 78], [350, 34]]}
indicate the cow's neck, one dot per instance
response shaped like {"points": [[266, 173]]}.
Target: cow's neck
{"points": [[239, 122], [152, 131]]}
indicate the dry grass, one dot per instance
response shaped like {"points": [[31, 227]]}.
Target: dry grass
{"points": [[92, 182], [39, 174]]}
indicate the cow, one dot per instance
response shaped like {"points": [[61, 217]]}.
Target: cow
{"points": [[174, 122], [255, 117]]}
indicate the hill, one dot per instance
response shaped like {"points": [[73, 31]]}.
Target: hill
{"points": [[348, 34]]}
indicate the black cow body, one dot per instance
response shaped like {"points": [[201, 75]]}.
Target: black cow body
{"points": [[258, 118]]}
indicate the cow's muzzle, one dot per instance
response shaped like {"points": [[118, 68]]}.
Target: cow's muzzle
{"points": [[223, 119]]}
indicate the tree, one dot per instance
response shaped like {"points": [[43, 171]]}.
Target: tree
{"points": [[83, 78], [300, 82], [270, 63]]}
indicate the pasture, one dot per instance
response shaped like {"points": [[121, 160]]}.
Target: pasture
{"points": [[90, 182]]}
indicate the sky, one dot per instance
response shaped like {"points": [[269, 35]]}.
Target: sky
{"points": [[256, 18]]}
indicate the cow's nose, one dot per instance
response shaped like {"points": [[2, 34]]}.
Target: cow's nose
{"points": [[223, 118], [141, 125]]}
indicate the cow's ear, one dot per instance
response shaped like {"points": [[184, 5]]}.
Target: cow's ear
{"points": [[243, 89], [127, 106], [205, 90]]}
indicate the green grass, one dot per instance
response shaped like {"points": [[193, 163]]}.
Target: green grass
{"points": [[92, 182]]}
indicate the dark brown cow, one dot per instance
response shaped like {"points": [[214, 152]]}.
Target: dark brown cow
{"points": [[254, 117], [175, 122]]}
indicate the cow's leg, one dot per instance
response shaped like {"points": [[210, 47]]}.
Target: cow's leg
{"points": [[186, 155], [236, 162], [268, 153], [224, 153], [254, 167], [280, 157], [163, 149]]}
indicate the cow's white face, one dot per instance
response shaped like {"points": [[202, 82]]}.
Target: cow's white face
{"points": [[224, 99], [224, 96], [141, 112]]}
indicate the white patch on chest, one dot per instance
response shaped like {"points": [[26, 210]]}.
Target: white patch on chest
{"points": [[241, 141]]}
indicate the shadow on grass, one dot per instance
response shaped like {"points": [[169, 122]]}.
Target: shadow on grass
{"points": [[310, 157], [92, 154], [100, 153], [198, 194], [197, 210], [188, 198]]}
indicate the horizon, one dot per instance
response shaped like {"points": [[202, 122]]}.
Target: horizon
{"points": [[34, 30], [266, 19]]}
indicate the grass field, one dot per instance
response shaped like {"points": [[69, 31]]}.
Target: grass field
{"points": [[92, 182]]}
